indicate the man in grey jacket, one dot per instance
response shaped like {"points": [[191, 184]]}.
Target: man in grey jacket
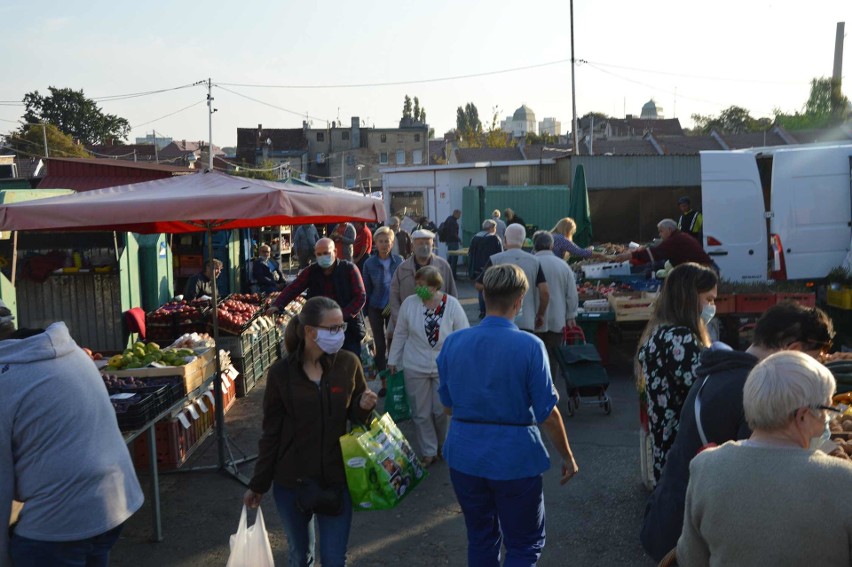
{"points": [[531, 316], [61, 453], [562, 307], [402, 284]]}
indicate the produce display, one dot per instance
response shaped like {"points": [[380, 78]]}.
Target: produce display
{"points": [[841, 427], [141, 355], [252, 298], [235, 315], [193, 341], [182, 312], [93, 355]]}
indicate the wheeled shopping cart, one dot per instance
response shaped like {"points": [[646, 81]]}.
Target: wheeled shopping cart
{"points": [[584, 375]]}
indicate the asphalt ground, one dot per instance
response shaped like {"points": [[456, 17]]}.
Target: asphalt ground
{"points": [[593, 520]]}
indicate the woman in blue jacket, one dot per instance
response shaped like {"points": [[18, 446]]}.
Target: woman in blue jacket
{"points": [[378, 271]]}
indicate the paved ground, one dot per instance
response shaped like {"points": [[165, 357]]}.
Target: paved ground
{"points": [[593, 520]]}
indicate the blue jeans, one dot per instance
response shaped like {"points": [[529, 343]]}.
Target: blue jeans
{"points": [[497, 512], [453, 259], [89, 552], [300, 530]]}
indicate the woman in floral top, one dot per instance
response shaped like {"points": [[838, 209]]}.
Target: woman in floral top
{"points": [[670, 347]]}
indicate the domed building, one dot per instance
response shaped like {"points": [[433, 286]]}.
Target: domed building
{"points": [[521, 123], [651, 111]]}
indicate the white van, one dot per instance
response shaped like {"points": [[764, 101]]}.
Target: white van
{"points": [[780, 213]]}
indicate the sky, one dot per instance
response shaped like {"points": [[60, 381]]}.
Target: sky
{"points": [[278, 63]]}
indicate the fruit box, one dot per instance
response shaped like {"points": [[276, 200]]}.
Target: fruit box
{"points": [[633, 307], [193, 373]]}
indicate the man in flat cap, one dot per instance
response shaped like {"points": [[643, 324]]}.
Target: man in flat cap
{"points": [[402, 284]]}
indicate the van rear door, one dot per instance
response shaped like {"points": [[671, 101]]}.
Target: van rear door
{"points": [[811, 208], [734, 222]]}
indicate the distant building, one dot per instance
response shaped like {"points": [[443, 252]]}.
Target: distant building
{"points": [[159, 141], [550, 126], [521, 123], [651, 111], [344, 156]]}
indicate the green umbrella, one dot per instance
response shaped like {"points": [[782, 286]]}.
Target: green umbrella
{"points": [[578, 208]]}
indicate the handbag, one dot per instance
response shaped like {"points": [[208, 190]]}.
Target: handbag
{"points": [[381, 467], [250, 545], [315, 498], [396, 400]]}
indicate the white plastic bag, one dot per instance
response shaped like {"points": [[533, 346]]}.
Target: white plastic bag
{"points": [[250, 545]]}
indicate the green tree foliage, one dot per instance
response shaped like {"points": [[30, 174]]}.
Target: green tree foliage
{"points": [[495, 137], [732, 120], [416, 109], [29, 141], [543, 138], [266, 171], [468, 125], [826, 107], [75, 115], [406, 107]]}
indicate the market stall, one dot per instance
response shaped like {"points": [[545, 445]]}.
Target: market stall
{"points": [[193, 203]]}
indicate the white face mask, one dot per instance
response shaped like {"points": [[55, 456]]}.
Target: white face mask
{"points": [[422, 251], [330, 343], [708, 313], [816, 442]]}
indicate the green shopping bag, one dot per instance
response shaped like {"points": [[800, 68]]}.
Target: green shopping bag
{"points": [[381, 467], [396, 401]]}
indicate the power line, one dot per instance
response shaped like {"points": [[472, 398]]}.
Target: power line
{"points": [[407, 82], [688, 76], [303, 114], [167, 115]]}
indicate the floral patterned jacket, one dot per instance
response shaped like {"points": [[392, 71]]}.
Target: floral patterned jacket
{"points": [[669, 359]]}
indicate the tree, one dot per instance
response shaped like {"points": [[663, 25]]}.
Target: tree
{"points": [[495, 137], [826, 107], [417, 110], [406, 108], [30, 141], [732, 120], [76, 115], [468, 125]]}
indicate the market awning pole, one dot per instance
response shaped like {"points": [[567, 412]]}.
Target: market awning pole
{"points": [[14, 256], [217, 379]]}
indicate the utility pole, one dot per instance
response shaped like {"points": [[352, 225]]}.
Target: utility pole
{"points": [[836, 93], [156, 149], [210, 110], [44, 133], [574, 124]]}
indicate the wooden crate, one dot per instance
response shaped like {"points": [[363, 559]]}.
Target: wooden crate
{"points": [[193, 373], [633, 307]]}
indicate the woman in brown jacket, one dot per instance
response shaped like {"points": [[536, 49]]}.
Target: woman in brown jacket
{"points": [[310, 396]]}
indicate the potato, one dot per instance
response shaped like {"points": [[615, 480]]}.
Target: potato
{"points": [[847, 425], [848, 449], [835, 427]]}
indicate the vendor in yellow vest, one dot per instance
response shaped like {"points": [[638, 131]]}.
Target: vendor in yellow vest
{"points": [[690, 221]]}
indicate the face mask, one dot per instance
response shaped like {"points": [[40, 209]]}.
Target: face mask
{"points": [[325, 261], [423, 292], [422, 250], [708, 313], [816, 442], [328, 342]]}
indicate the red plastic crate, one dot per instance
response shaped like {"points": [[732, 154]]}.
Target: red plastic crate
{"points": [[754, 302], [806, 299], [726, 303]]}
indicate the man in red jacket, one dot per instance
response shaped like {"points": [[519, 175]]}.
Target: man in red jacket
{"points": [[677, 247]]}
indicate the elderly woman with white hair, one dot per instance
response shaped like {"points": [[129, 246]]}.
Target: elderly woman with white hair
{"points": [[773, 499]]}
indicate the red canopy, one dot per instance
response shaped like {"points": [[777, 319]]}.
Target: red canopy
{"points": [[191, 203]]}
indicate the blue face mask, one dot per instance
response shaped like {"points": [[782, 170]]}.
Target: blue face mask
{"points": [[325, 261], [708, 313]]}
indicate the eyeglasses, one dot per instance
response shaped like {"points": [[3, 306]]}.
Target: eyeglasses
{"points": [[334, 329], [827, 408]]}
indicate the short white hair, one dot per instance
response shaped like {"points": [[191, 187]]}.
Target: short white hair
{"points": [[488, 224], [781, 384], [515, 234], [667, 223]]}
